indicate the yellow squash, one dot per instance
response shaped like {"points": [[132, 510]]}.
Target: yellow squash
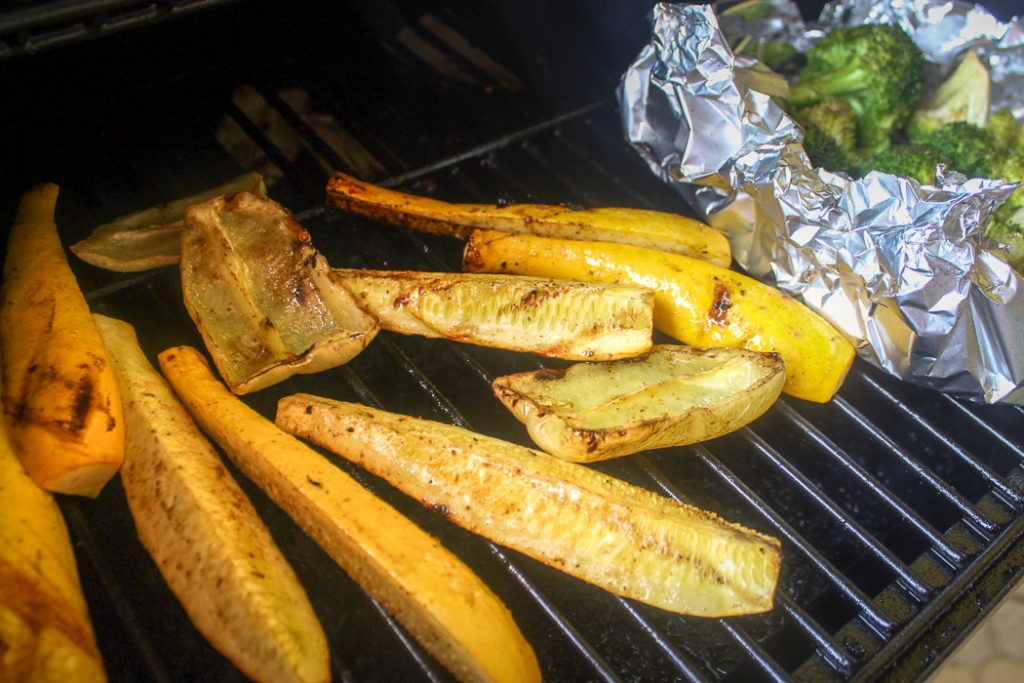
{"points": [[441, 602], [620, 537], [211, 547], [63, 406], [556, 318], [651, 229], [696, 302], [45, 632], [671, 396]]}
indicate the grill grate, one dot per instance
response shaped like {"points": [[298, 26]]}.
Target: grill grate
{"points": [[899, 509]]}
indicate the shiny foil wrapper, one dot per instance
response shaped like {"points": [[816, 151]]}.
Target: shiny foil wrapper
{"points": [[901, 269]]}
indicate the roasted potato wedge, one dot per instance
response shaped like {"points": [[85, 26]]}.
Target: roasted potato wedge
{"points": [[652, 229], [442, 603], [696, 302], [557, 318], [151, 238], [260, 294], [211, 547], [622, 538], [670, 396], [63, 406]]}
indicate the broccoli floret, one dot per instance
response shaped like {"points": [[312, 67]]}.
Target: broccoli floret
{"points": [[912, 161], [823, 152], [876, 69], [833, 117], [964, 96], [1004, 130], [970, 150], [1007, 223]]}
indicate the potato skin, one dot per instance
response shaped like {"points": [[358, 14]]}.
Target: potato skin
{"points": [[696, 302], [63, 406]]}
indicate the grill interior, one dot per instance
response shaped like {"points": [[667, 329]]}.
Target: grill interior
{"points": [[899, 509]]}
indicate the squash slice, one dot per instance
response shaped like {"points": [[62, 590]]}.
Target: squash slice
{"points": [[63, 407], [622, 538], [560, 319], [259, 293], [641, 227], [670, 396], [211, 547], [151, 238], [442, 603], [696, 302]]}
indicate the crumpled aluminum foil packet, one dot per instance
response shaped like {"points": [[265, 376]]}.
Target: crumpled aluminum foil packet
{"points": [[902, 269]]}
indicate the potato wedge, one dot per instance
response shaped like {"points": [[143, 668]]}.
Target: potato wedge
{"points": [[259, 293], [441, 602], [45, 632], [696, 302], [556, 318], [212, 548], [63, 406], [670, 396], [151, 238], [622, 538], [651, 229]]}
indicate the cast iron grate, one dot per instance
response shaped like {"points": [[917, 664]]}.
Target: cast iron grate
{"points": [[899, 509]]}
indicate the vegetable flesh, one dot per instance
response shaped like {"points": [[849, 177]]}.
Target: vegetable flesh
{"points": [[671, 396], [964, 96], [211, 547], [442, 603], [622, 538], [260, 295], [63, 407], [695, 302], [560, 319], [653, 229]]}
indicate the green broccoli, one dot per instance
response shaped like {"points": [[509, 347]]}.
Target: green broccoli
{"points": [[876, 69], [969, 148], [1007, 223], [912, 161], [824, 152], [964, 96], [1004, 130], [835, 118]]}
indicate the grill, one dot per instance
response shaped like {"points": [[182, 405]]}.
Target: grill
{"points": [[899, 509]]}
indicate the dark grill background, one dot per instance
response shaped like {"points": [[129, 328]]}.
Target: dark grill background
{"points": [[899, 509]]}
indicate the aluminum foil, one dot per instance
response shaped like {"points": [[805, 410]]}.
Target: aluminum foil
{"points": [[901, 269]]}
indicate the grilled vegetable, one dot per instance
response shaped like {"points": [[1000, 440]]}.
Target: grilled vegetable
{"points": [[624, 539], [152, 237], [45, 632], [258, 292], [205, 536], [696, 302], [671, 396], [562, 319], [442, 603], [651, 229], [63, 407]]}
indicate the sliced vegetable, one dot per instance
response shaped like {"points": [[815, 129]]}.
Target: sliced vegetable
{"points": [[670, 396], [696, 302], [63, 406], [152, 237], [651, 229], [205, 536], [45, 632], [622, 538], [561, 319], [260, 295], [442, 603]]}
